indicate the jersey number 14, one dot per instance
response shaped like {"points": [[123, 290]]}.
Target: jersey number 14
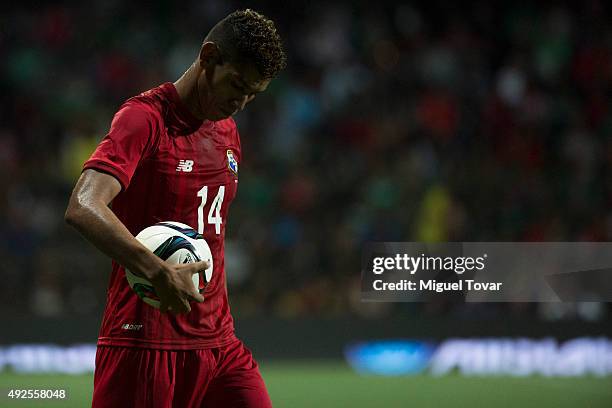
{"points": [[214, 214]]}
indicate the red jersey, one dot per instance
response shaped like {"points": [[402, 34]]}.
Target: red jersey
{"points": [[172, 167]]}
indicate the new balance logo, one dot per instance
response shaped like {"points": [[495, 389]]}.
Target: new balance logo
{"points": [[185, 166], [130, 326]]}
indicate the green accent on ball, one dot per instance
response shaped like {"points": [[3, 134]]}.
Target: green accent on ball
{"points": [[144, 291]]}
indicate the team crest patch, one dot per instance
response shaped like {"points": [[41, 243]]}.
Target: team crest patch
{"points": [[232, 164]]}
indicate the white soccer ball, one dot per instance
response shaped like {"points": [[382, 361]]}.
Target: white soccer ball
{"points": [[176, 243]]}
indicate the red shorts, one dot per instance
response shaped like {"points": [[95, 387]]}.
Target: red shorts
{"points": [[137, 377]]}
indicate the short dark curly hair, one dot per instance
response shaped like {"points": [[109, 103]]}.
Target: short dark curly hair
{"points": [[248, 36]]}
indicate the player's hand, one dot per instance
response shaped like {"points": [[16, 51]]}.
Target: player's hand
{"points": [[174, 286]]}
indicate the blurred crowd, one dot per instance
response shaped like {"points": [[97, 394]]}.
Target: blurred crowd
{"points": [[393, 122]]}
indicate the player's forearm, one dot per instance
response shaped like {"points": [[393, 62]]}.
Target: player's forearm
{"points": [[100, 226]]}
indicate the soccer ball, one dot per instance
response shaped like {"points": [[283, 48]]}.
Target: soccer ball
{"points": [[175, 243]]}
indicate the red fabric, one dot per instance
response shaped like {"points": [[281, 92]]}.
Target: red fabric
{"points": [[150, 136], [225, 377]]}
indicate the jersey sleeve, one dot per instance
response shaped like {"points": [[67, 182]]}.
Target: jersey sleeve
{"points": [[236, 137], [132, 137]]}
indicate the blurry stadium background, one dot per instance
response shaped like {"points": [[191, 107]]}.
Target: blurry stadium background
{"points": [[414, 121]]}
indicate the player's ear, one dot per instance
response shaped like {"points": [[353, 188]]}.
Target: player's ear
{"points": [[210, 55]]}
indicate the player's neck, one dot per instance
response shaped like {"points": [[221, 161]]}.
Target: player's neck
{"points": [[187, 89]]}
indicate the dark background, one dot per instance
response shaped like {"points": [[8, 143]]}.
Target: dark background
{"points": [[393, 122]]}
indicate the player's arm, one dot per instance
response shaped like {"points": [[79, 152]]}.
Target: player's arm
{"points": [[88, 211]]}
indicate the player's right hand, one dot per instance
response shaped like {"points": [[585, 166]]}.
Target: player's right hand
{"points": [[174, 286]]}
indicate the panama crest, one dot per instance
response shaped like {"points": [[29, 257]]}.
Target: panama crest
{"points": [[232, 164]]}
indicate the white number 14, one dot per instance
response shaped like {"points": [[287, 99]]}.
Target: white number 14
{"points": [[214, 214]]}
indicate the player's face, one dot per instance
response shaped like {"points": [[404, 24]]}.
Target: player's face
{"points": [[228, 89]]}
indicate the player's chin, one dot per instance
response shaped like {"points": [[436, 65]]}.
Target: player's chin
{"points": [[225, 112], [220, 115]]}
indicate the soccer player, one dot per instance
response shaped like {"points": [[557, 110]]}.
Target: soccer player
{"points": [[172, 154]]}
